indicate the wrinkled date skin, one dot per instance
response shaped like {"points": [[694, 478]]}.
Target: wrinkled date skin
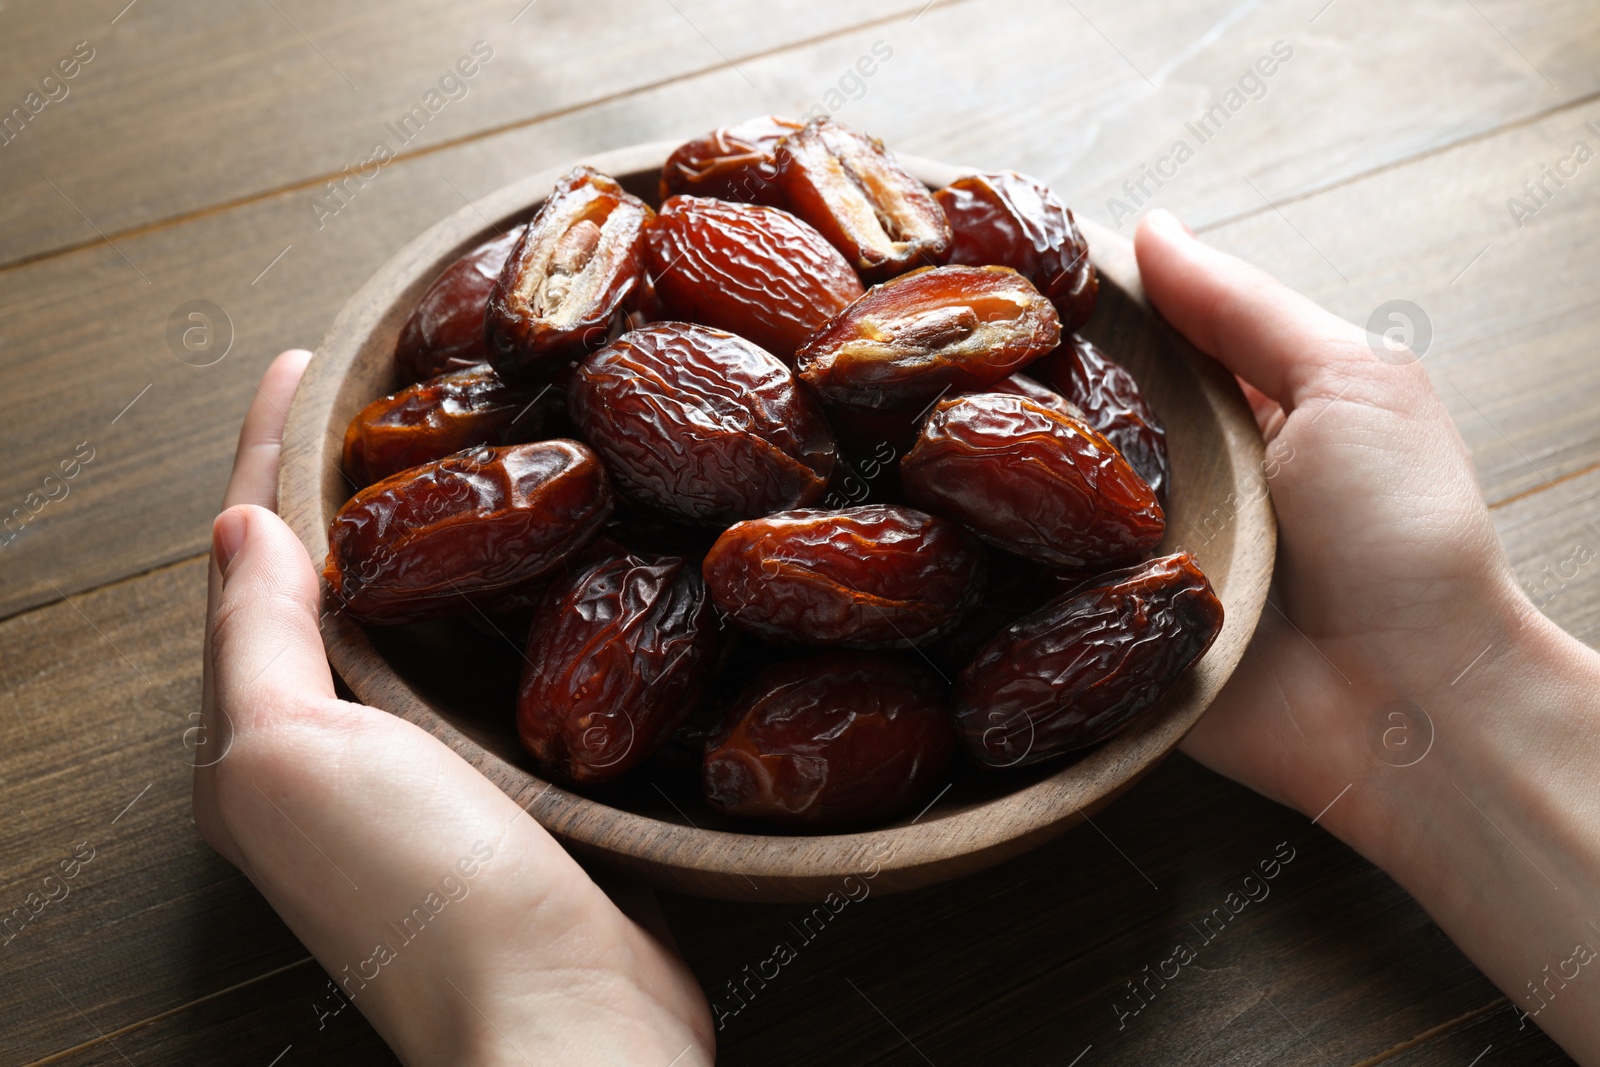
{"points": [[878, 576], [830, 739], [445, 331], [1043, 395], [702, 423], [569, 280], [1080, 668], [1112, 403], [755, 271], [617, 657], [415, 545], [730, 163], [432, 419], [845, 184], [1033, 481], [1012, 220], [933, 331]]}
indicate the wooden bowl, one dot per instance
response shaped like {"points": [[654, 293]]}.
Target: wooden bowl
{"points": [[654, 826]]}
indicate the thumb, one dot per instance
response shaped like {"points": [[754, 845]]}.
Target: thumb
{"points": [[1282, 343], [265, 636]]}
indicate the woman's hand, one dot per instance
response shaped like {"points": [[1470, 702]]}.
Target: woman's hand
{"points": [[456, 924], [1400, 686]]}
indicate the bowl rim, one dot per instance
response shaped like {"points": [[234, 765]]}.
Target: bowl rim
{"points": [[718, 862]]}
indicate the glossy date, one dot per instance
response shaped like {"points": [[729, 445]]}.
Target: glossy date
{"points": [[570, 279], [878, 576], [432, 419], [702, 423], [933, 331], [616, 658], [755, 271], [1080, 669], [828, 740], [1111, 402], [1015, 221], [730, 163], [845, 184], [445, 330], [1033, 481], [417, 545]]}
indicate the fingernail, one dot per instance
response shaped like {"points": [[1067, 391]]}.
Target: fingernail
{"points": [[1168, 224], [227, 534]]}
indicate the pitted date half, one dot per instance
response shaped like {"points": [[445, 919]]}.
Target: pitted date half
{"points": [[1083, 666], [755, 271], [933, 331], [445, 330], [569, 280], [416, 545], [432, 419], [830, 739], [878, 576], [730, 163], [702, 423], [845, 184], [1015, 221], [617, 657], [1033, 481], [1112, 403]]}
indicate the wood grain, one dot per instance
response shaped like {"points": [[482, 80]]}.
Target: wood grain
{"points": [[1497, 1035], [161, 469], [295, 91], [295, 94], [1512, 322], [200, 107], [1028, 954], [1554, 545], [98, 697]]}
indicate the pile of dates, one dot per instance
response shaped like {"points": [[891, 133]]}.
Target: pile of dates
{"points": [[805, 468]]}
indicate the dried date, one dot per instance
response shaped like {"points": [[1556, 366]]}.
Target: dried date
{"points": [[1080, 669], [1012, 220], [418, 544], [755, 271], [830, 739], [730, 163], [702, 423], [445, 331], [570, 279], [845, 184], [878, 576], [432, 419], [617, 657], [1043, 395], [1033, 481], [1111, 402], [933, 331]]}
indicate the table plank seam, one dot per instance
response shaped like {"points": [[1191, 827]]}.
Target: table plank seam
{"points": [[1433, 1032], [56, 1057], [484, 134], [1547, 484], [1531, 119], [143, 572]]}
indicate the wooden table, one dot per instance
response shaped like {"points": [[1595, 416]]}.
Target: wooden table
{"points": [[228, 154]]}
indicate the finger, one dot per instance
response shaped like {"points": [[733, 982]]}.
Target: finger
{"points": [[265, 638], [1272, 337], [255, 463], [1265, 409]]}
